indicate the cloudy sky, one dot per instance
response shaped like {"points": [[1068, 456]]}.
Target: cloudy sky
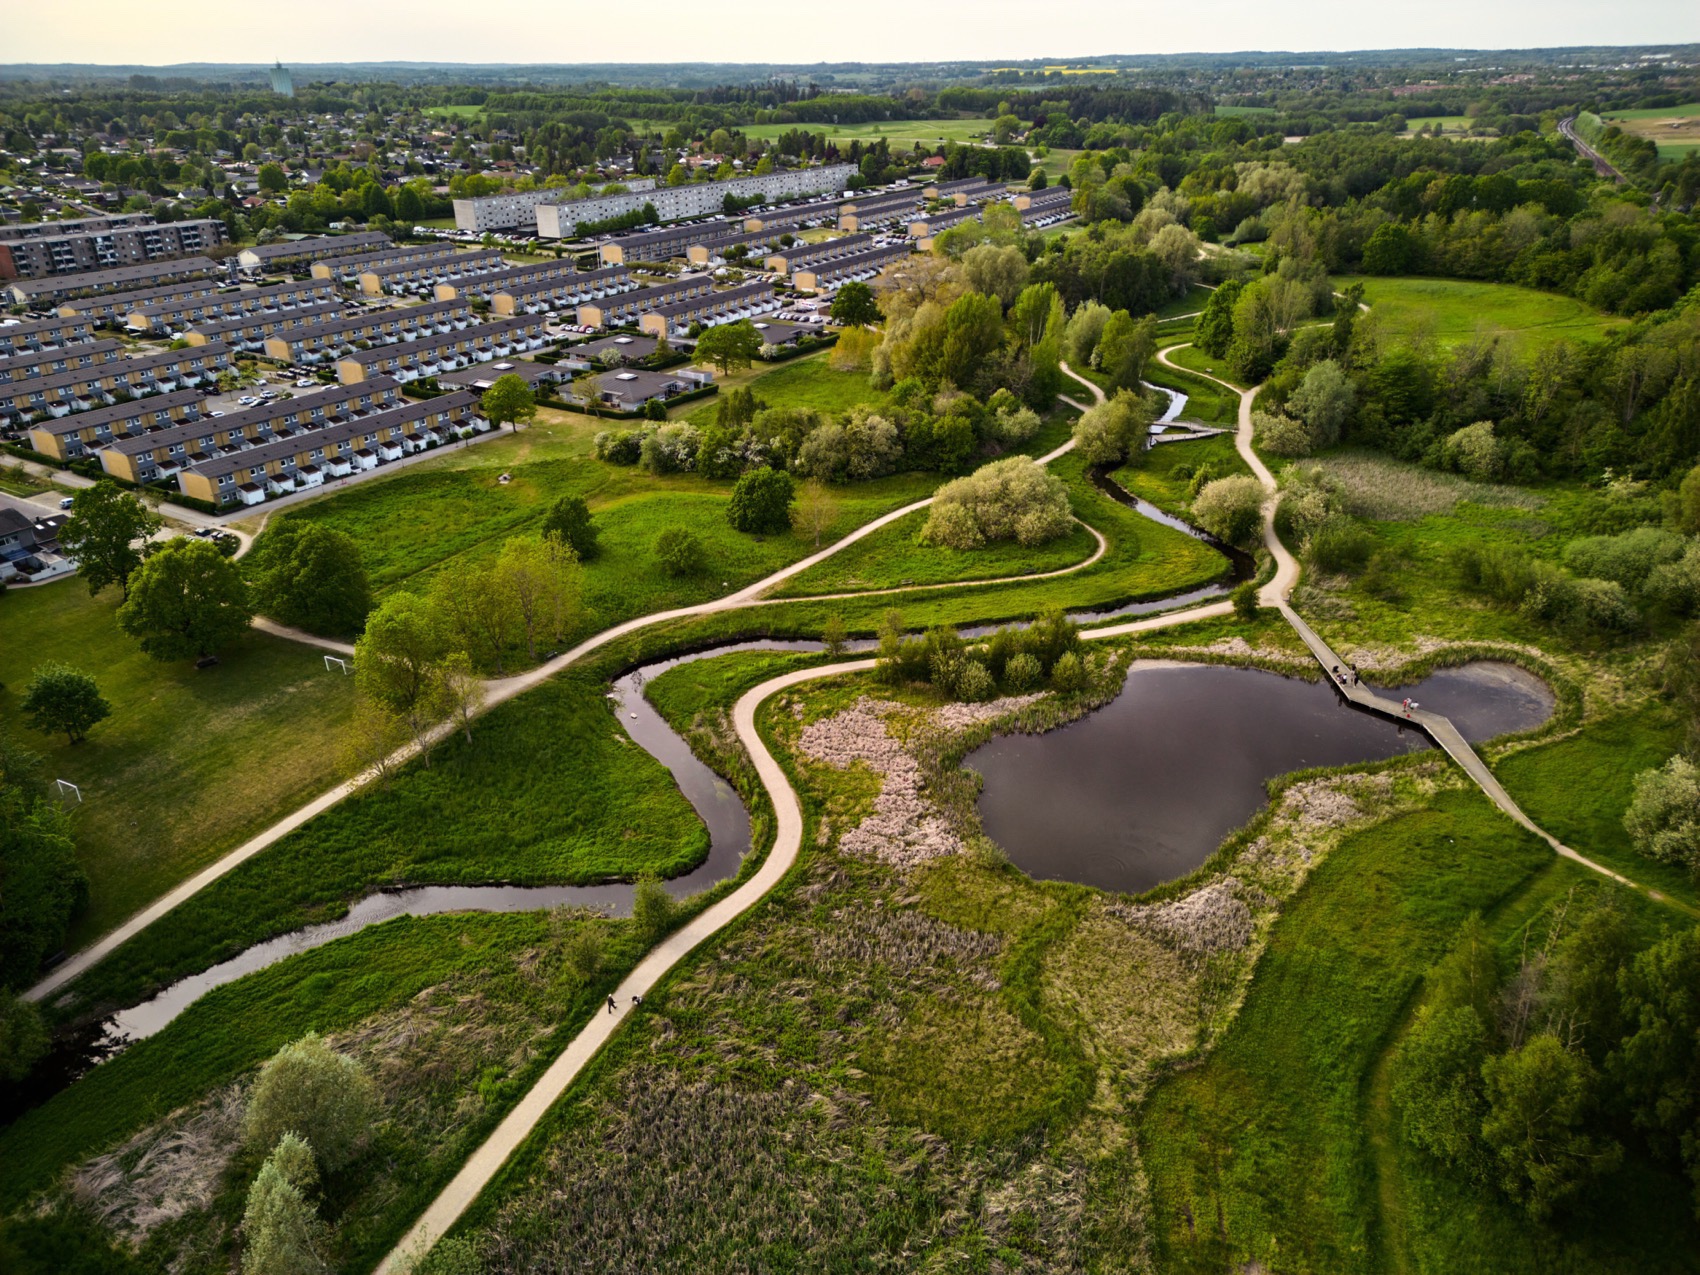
{"points": [[134, 31]]}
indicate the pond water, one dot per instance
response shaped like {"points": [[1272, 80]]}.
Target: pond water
{"points": [[1145, 788]]}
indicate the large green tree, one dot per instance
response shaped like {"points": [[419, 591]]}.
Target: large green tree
{"points": [[729, 346], [509, 401], [62, 698], [1540, 1098], [186, 601], [569, 518], [105, 534], [853, 305], [761, 501], [310, 576]]}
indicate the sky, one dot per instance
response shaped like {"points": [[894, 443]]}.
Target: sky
{"points": [[521, 31]]}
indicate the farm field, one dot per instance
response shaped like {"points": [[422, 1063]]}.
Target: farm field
{"points": [[1675, 129], [1454, 311], [906, 132], [190, 763]]}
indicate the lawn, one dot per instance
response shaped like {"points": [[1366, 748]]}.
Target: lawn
{"points": [[455, 1016], [805, 382], [1154, 478], [1191, 357], [1262, 1155], [1450, 125], [463, 112], [902, 134], [1454, 311], [893, 556], [1193, 301], [190, 763], [549, 791]]}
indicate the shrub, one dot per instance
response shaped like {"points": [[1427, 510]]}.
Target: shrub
{"points": [[1437, 1084], [671, 449], [1474, 452], [1629, 558], [1282, 435], [569, 518], [1022, 672], [681, 552], [619, 446], [310, 1089], [653, 909], [1244, 598], [1108, 432], [1069, 674], [974, 682], [1230, 509], [1339, 545], [1663, 819], [1010, 499], [761, 502], [281, 1230]]}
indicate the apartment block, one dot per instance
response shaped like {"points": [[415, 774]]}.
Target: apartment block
{"points": [[22, 367], [21, 335], [356, 447], [410, 360], [63, 289], [564, 294], [69, 437], [420, 278], [71, 251], [829, 272], [165, 451], [340, 335], [696, 199], [175, 314], [627, 306], [718, 307], [250, 332], [292, 256], [85, 388], [519, 212]]}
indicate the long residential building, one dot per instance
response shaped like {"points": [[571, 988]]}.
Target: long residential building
{"points": [[83, 388], [62, 289], [717, 307], [347, 269], [250, 332], [337, 335], [572, 291], [964, 191], [69, 437], [12, 231], [175, 314], [831, 271], [304, 461], [819, 212], [799, 255], [22, 335], [72, 249], [878, 212], [695, 199], [659, 245], [487, 284], [292, 256], [33, 363], [111, 309], [519, 211], [625, 307], [422, 276], [147, 456], [410, 360]]}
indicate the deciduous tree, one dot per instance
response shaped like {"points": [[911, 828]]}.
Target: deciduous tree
{"points": [[62, 698], [761, 502], [310, 576], [729, 346], [509, 401], [324, 1097], [105, 534], [186, 601]]}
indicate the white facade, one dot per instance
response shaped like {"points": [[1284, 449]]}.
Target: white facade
{"points": [[699, 199], [510, 212]]}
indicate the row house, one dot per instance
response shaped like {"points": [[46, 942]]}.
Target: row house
{"points": [[485, 285], [965, 191], [22, 367], [925, 228], [627, 306], [408, 361], [717, 307], [1051, 198], [858, 265], [569, 293], [78, 391], [24, 335], [876, 212], [71, 437], [794, 218], [250, 332], [348, 269], [802, 255], [292, 256], [112, 309], [657, 245], [175, 315], [165, 451], [349, 450], [60, 289], [714, 248], [1036, 216], [345, 334], [401, 278]]}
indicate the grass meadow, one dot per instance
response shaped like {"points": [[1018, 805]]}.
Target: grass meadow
{"points": [[902, 134], [1453, 311], [190, 763]]}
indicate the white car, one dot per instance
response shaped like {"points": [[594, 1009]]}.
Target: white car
{"points": [[247, 400], [305, 383]]}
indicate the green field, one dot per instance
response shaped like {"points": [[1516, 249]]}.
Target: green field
{"points": [[805, 382], [1245, 110], [190, 763], [1674, 129], [1453, 311], [463, 112], [549, 791], [1450, 125], [902, 134]]}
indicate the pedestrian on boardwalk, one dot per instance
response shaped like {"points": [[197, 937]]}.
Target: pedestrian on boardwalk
{"points": [[1406, 705], [610, 1004], [1354, 673]]}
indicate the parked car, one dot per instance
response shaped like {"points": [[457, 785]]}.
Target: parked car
{"points": [[305, 383], [65, 502]]}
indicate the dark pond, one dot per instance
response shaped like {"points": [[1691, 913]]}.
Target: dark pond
{"points": [[1144, 789]]}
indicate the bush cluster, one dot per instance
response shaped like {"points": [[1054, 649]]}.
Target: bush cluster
{"points": [[1013, 660]]}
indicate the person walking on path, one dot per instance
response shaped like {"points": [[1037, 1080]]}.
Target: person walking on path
{"points": [[1406, 705], [610, 1004]]}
